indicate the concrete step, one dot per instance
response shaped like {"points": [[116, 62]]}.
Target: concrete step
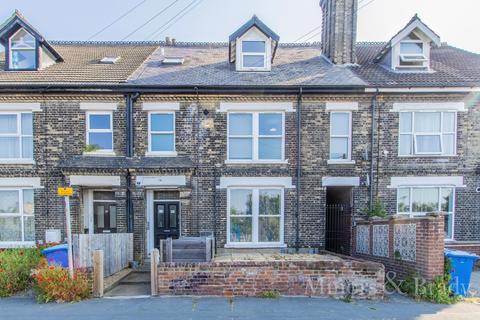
{"points": [[128, 290]]}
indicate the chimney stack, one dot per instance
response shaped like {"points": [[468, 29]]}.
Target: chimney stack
{"points": [[339, 30], [168, 41]]}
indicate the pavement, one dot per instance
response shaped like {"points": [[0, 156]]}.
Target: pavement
{"points": [[172, 308]]}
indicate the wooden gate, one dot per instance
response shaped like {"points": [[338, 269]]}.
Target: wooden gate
{"points": [[338, 228]]}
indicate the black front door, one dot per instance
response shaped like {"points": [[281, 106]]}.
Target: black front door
{"points": [[105, 217], [166, 216]]}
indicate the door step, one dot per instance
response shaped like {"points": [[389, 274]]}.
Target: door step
{"points": [[135, 284]]}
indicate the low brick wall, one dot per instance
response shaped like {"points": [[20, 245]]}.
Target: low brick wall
{"points": [[470, 246], [337, 278], [406, 246]]}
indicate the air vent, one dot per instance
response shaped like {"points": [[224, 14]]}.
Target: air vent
{"points": [[109, 60], [173, 60]]}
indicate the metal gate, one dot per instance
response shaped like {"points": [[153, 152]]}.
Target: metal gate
{"points": [[338, 228]]}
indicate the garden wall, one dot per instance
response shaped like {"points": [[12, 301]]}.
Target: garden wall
{"points": [[335, 277], [404, 245]]}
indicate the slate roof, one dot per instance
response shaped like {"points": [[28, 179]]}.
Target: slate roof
{"points": [[452, 67], [81, 65], [88, 162], [206, 64]]}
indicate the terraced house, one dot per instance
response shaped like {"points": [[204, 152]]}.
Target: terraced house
{"points": [[260, 143]]}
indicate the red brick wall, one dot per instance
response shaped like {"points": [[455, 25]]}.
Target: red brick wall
{"points": [[473, 247], [293, 278], [429, 247]]}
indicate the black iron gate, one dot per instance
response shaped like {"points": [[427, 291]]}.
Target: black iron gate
{"points": [[338, 228]]}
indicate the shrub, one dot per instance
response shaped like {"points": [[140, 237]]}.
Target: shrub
{"points": [[377, 209], [269, 295], [15, 268], [53, 283]]}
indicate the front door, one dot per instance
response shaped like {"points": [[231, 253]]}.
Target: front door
{"points": [[166, 225], [105, 217]]}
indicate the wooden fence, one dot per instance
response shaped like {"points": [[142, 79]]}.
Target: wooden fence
{"points": [[117, 248]]}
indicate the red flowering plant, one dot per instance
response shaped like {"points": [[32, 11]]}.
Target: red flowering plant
{"points": [[15, 269], [53, 283]]}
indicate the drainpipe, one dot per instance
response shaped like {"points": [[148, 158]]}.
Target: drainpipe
{"points": [[372, 143], [130, 101], [299, 168], [197, 159]]}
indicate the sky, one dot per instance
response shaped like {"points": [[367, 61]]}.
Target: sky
{"points": [[214, 20]]}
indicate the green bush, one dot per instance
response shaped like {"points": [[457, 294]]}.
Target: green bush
{"points": [[15, 268], [268, 295], [377, 209], [437, 291]]}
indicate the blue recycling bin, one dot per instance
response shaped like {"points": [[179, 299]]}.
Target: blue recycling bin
{"points": [[57, 255], [462, 266]]}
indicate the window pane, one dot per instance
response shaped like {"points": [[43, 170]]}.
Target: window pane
{"points": [[101, 139], [240, 148], [240, 124], [100, 214], [27, 124], [23, 59], [405, 122], [269, 202], [8, 123], [10, 147], [27, 147], [240, 229], [99, 121], [270, 148], [427, 144], [270, 124], [173, 216], [448, 226], [241, 202], [425, 200], [161, 215], [269, 229], [253, 46], [411, 48], [339, 124], [447, 200], [28, 201], [9, 202], [103, 195], [427, 121], [253, 61], [448, 122], [403, 200], [339, 148], [29, 228], [163, 142], [448, 143], [113, 216], [23, 39], [405, 144], [10, 229], [161, 122]]}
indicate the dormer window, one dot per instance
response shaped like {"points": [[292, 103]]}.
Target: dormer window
{"points": [[23, 51], [413, 53], [253, 54]]}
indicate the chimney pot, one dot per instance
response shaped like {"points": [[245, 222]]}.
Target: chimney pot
{"points": [[174, 41], [168, 41]]}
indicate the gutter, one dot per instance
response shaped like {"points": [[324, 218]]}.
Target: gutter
{"points": [[299, 168]]}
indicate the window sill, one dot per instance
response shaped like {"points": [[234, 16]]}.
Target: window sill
{"points": [[256, 162], [100, 154], [340, 161], [161, 154], [16, 244], [254, 245], [17, 161], [436, 155]]}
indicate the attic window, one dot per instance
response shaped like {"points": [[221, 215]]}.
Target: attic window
{"points": [[109, 60], [173, 60], [412, 54], [253, 54], [23, 51]]}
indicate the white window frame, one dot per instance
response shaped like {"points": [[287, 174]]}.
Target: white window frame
{"points": [[10, 53], [89, 130], [18, 135], [264, 55], [349, 136], [416, 214], [414, 134], [150, 132], [21, 214], [255, 217], [401, 55], [255, 136]]}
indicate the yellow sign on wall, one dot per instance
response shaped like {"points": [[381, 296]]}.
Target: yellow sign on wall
{"points": [[65, 192]]}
